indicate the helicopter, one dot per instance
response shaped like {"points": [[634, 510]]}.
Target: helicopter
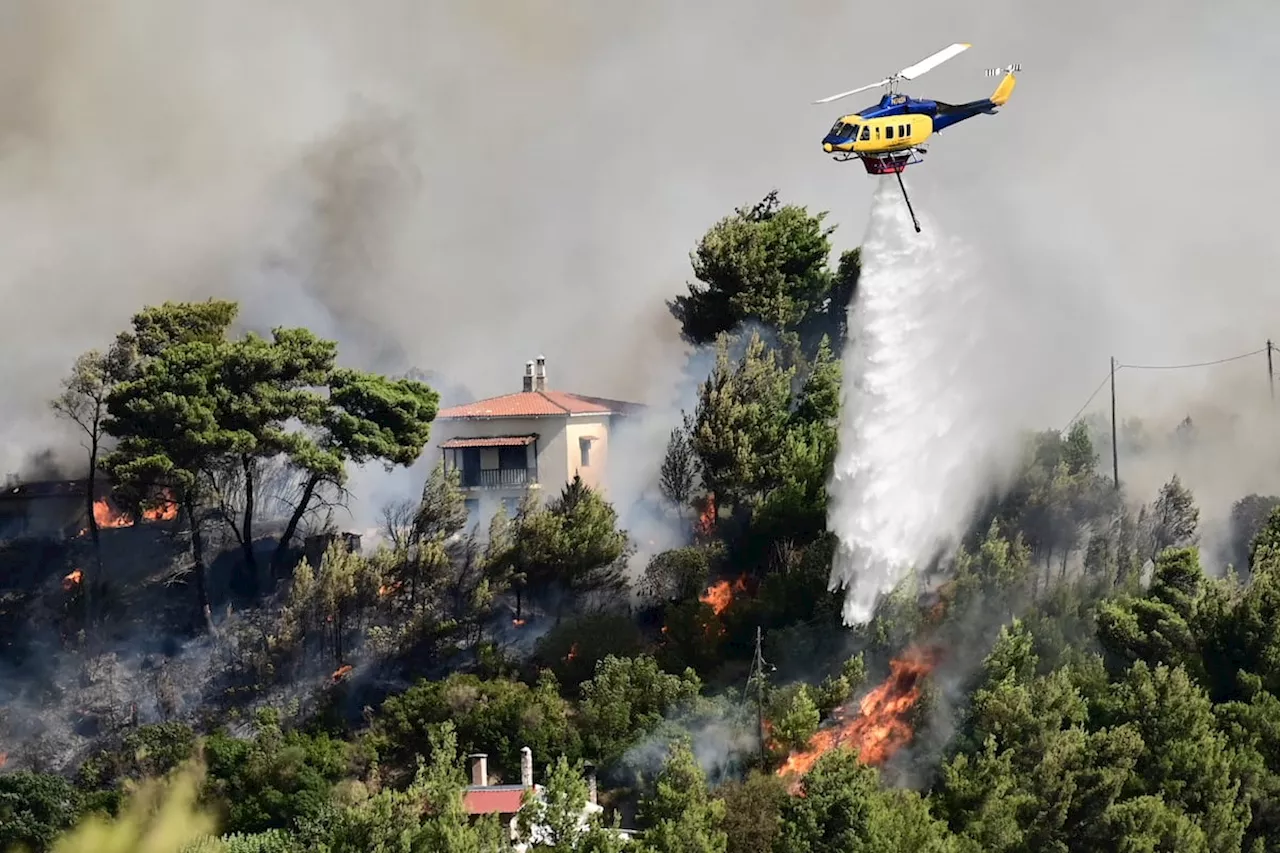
{"points": [[887, 136]]}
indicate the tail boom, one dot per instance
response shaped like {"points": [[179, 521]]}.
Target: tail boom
{"points": [[1001, 95]]}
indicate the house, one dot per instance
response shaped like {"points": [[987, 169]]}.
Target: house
{"points": [[56, 509], [534, 439], [50, 509], [483, 798]]}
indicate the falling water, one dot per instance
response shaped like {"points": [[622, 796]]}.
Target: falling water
{"points": [[914, 440]]}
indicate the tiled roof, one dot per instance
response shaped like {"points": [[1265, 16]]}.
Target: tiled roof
{"points": [[537, 404], [491, 441], [47, 489], [493, 799]]}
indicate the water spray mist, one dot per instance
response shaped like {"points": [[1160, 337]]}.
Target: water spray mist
{"points": [[912, 440]]}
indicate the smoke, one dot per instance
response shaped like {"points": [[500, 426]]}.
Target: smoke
{"points": [[454, 187], [916, 438]]}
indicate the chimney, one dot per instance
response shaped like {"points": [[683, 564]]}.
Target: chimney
{"points": [[591, 783], [526, 767], [540, 374], [528, 376], [479, 769]]}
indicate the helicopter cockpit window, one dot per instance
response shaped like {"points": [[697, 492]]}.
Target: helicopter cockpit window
{"points": [[843, 131]]}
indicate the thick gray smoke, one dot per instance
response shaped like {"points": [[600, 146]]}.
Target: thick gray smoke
{"points": [[460, 186]]}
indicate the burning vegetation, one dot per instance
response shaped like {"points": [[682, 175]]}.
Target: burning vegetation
{"points": [[720, 594], [879, 725]]}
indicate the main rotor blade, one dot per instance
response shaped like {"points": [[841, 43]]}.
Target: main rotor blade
{"points": [[911, 72], [852, 92]]}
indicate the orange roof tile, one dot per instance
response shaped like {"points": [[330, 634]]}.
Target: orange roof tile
{"points": [[495, 799], [536, 404], [492, 441]]}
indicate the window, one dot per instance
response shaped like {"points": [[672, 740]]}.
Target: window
{"points": [[584, 450], [866, 133], [513, 458], [908, 130], [877, 131], [888, 132], [902, 131]]}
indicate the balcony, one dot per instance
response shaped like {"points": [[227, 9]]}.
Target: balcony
{"points": [[498, 478]]}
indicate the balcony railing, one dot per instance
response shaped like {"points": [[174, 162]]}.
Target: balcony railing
{"points": [[498, 478]]}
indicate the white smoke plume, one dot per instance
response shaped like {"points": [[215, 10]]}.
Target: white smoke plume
{"points": [[915, 440], [458, 187]]}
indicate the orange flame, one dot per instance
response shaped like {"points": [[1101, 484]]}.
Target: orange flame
{"points": [[720, 595], [165, 510], [72, 580], [706, 523], [879, 728], [341, 672], [106, 516], [384, 590], [517, 622], [573, 652]]}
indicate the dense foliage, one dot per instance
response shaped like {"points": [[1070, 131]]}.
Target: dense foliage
{"points": [[1096, 690]]}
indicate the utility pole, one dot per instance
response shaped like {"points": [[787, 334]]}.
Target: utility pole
{"points": [[1271, 375], [1115, 449], [757, 673]]}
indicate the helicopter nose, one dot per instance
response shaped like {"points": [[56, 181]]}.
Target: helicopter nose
{"points": [[826, 146]]}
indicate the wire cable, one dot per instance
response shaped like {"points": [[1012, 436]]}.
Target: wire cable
{"points": [[1120, 367], [1080, 411], [1195, 364]]}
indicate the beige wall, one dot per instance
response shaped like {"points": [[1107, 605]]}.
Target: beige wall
{"points": [[596, 427], [559, 453], [551, 446]]}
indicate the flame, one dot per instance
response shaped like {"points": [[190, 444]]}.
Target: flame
{"points": [[341, 672], [706, 523], [72, 580], [573, 652], [384, 590], [4, 758], [879, 728], [165, 510], [517, 622], [720, 595], [107, 517]]}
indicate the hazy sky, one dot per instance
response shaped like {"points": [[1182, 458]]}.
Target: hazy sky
{"points": [[460, 186]]}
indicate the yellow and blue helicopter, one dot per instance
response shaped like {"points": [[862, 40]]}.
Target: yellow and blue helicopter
{"points": [[887, 136]]}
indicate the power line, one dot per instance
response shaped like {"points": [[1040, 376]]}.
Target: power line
{"points": [[1119, 366], [1195, 364], [1101, 385]]}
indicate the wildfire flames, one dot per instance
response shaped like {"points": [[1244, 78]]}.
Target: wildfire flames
{"points": [[341, 672], [878, 727], [707, 516], [72, 580], [384, 590], [573, 652], [720, 595], [107, 517]]}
